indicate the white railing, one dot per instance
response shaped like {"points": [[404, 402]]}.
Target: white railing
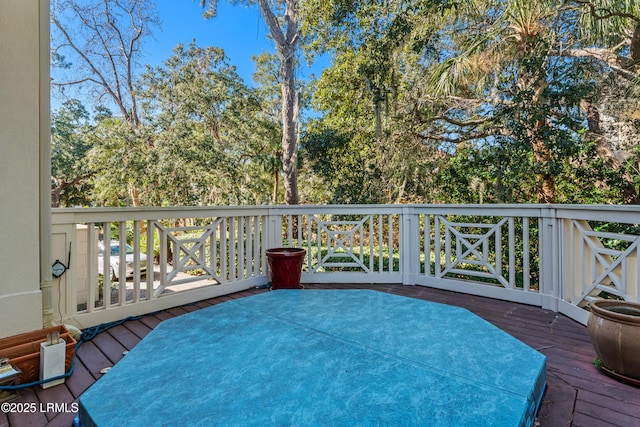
{"points": [[558, 257]]}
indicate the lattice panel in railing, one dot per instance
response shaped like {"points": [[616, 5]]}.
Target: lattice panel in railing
{"points": [[492, 251], [600, 264], [346, 243], [171, 255], [221, 250]]}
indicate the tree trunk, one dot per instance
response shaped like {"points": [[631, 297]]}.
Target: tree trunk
{"points": [[289, 130], [545, 181], [594, 133], [55, 197], [634, 48], [286, 37], [135, 196], [276, 182]]}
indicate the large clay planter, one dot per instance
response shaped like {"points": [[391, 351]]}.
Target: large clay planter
{"points": [[614, 329], [285, 265]]}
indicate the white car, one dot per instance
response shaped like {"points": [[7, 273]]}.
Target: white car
{"points": [[114, 260]]}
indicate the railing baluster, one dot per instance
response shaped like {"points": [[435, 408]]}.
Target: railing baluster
{"points": [[213, 249], [232, 249], [309, 240], [258, 225], [361, 245], [122, 276], [380, 244], [447, 247], [436, 245], [106, 266], [248, 236], [371, 243], [151, 227], [136, 262], [239, 263], [390, 225], [623, 274], [162, 237], [525, 255], [512, 253], [223, 250], [320, 257], [92, 272], [498, 250], [289, 230], [427, 245]]}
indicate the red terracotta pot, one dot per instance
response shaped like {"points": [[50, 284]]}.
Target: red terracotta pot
{"points": [[285, 265]]}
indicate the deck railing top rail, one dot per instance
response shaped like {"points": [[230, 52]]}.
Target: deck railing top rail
{"points": [[625, 212]]}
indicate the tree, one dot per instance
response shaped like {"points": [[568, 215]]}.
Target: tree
{"points": [[559, 55], [70, 174], [611, 35], [268, 82], [365, 154], [377, 49], [102, 39], [208, 130], [610, 31], [119, 159], [503, 76], [284, 29]]}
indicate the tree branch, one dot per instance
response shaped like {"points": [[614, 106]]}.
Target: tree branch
{"points": [[76, 82], [274, 26], [459, 123], [618, 64], [454, 140], [102, 81], [605, 13]]}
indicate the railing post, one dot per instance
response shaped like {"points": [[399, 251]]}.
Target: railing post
{"points": [[273, 233], [409, 245], [272, 237], [549, 256], [63, 240]]}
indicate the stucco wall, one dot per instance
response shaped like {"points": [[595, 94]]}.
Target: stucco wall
{"points": [[20, 102]]}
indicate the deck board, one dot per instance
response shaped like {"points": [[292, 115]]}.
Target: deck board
{"points": [[124, 336], [110, 347], [577, 395], [93, 358], [142, 327]]}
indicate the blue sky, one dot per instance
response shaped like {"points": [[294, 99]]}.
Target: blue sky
{"points": [[240, 30]]}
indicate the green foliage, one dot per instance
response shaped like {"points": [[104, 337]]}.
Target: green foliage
{"points": [[488, 90], [118, 159], [351, 179], [201, 132], [70, 144], [425, 101]]}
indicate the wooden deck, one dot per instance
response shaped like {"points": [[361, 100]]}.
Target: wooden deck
{"points": [[578, 394]]}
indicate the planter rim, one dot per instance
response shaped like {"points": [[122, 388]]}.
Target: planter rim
{"points": [[286, 251], [601, 308]]}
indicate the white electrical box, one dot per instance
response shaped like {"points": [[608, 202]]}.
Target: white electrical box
{"points": [[52, 357]]}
